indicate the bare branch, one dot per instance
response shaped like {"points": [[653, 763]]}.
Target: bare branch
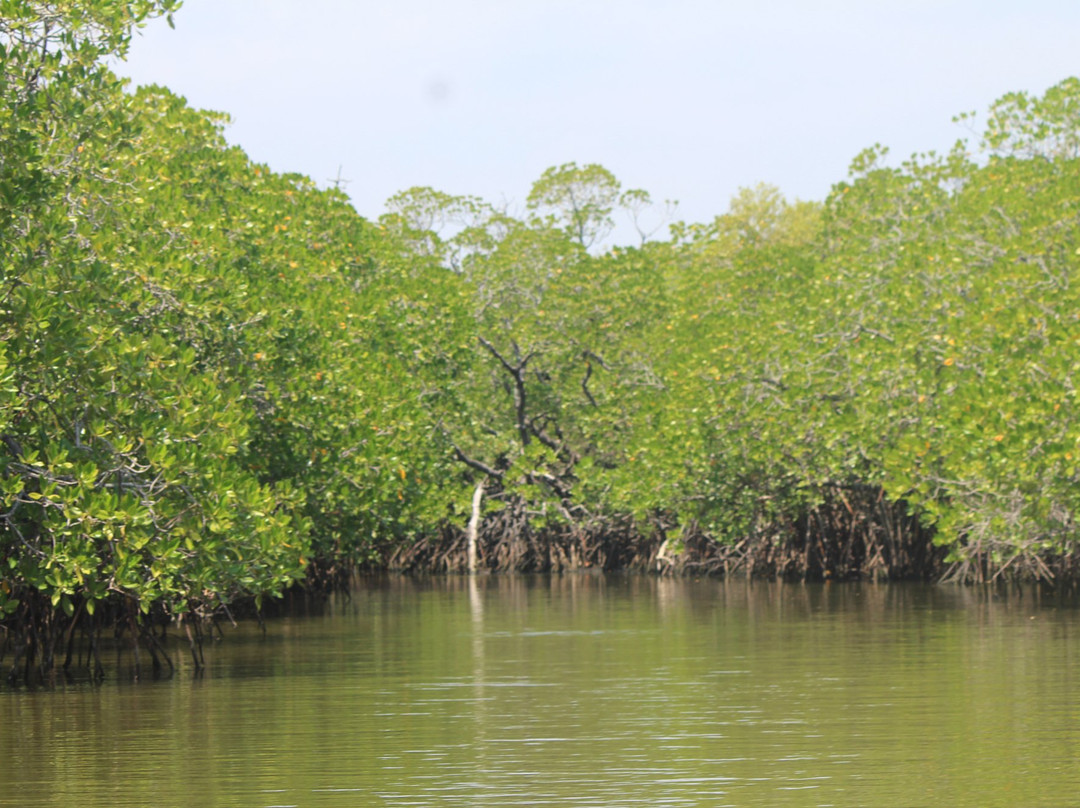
{"points": [[475, 464], [585, 385], [517, 372]]}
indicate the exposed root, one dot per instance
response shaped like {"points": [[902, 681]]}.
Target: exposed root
{"points": [[854, 534], [985, 561], [41, 642]]}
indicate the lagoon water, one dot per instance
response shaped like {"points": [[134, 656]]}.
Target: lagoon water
{"points": [[582, 690]]}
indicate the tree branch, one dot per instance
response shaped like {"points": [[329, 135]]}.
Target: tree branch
{"points": [[517, 372], [475, 464], [585, 384]]}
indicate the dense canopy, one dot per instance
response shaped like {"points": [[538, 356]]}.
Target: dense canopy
{"points": [[217, 381]]}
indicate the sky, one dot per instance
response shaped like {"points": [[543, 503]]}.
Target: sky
{"points": [[686, 99]]}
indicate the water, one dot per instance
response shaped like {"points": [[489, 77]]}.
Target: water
{"points": [[583, 691]]}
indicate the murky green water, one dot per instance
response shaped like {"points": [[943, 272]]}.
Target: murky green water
{"points": [[584, 691]]}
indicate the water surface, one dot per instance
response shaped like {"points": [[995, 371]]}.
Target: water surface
{"points": [[582, 691]]}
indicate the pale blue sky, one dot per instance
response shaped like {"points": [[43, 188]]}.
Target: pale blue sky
{"points": [[687, 99]]}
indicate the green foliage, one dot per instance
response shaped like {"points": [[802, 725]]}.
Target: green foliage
{"points": [[205, 367], [1026, 126], [214, 377], [882, 340], [580, 200]]}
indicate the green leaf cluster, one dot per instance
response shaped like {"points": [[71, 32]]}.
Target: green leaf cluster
{"points": [[215, 378]]}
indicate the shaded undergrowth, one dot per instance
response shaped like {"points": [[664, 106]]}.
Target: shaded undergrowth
{"points": [[856, 535]]}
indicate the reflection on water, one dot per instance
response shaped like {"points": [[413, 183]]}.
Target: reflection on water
{"points": [[583, 691]]}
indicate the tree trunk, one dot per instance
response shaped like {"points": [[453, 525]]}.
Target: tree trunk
{"points": [[474, 526]]}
